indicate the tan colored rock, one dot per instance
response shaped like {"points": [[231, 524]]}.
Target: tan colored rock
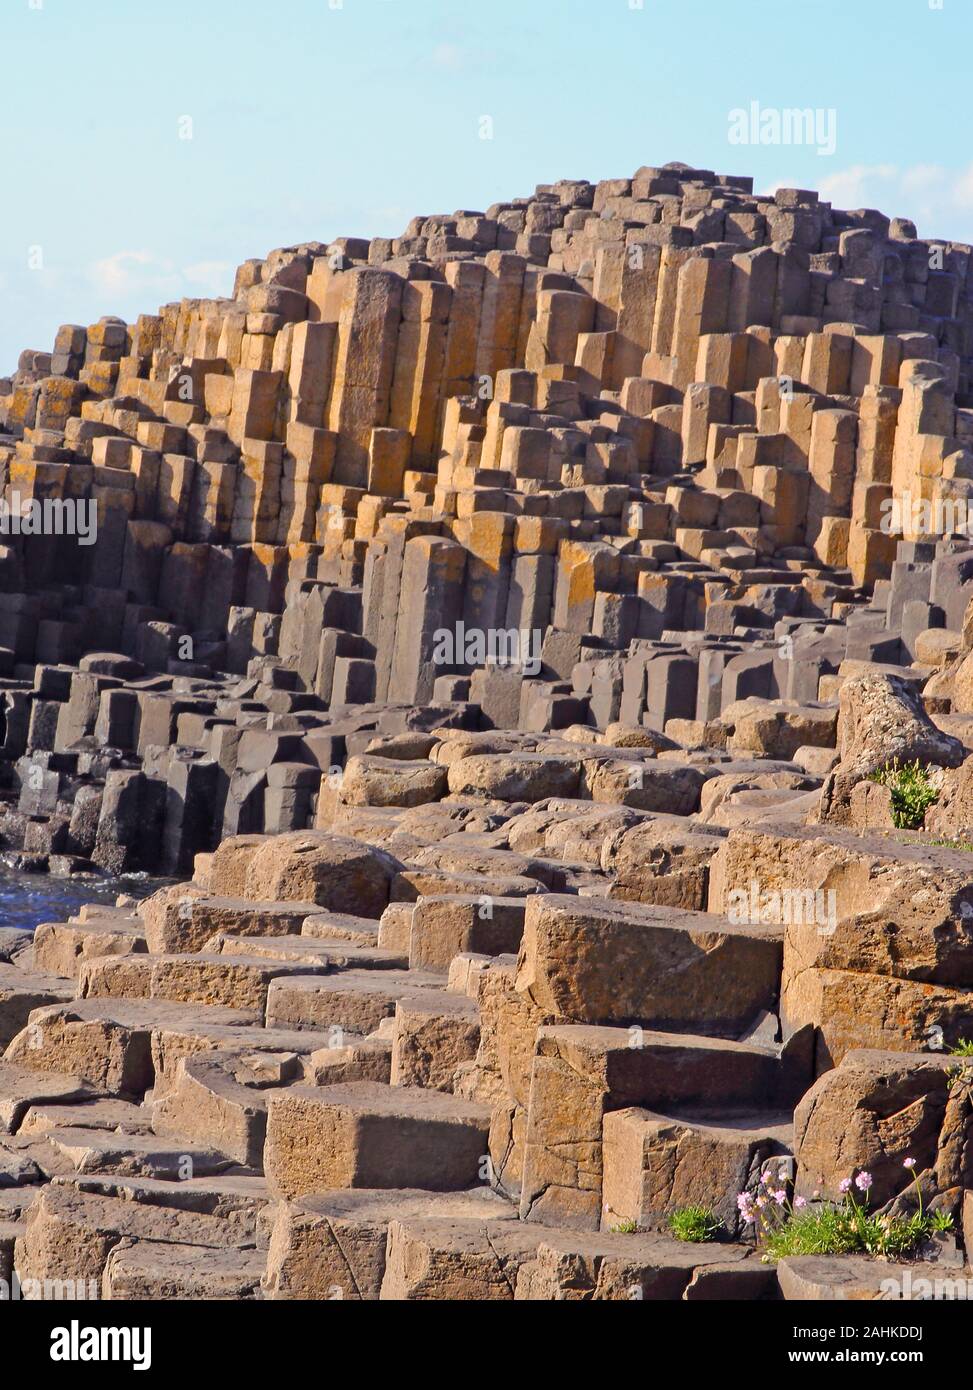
{"points": [[333, 1245], [454, 923], [221, 979], [153, 1271], [874, 1111], [434, 1034], [230, 864], [119, 1115], [108, 1043], [844, 1279], [962, 686], [776, 729], [619, 735], [353, 1000], [576, 832], [206, 1104], [716, 790], [656, 1164], [870, 807], [349, 1058], [277, 1055], [663, 861], [395, 928], [116, 977], [314, 867], [611, 963], [582, 1072], [614, 1268], [21, 992], [937, 646], [472, 858], [816, 762], [183, 918], [851, 1010], [951, 817], [69, 1234], [21, 1088], [881, 719], [889, 905], [446, 1260], [743, 1281], [644, 784], [510, 777], [365, 1135], [381, 781], [59, 947], [415, 882]]}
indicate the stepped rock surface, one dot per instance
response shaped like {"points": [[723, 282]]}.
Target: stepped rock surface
{"points": [[502, 636]]}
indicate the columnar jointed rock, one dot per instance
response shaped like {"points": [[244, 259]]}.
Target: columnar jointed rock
{"points": [[568, 434], [494, 632]]}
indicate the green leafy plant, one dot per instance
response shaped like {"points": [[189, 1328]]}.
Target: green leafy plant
{"points": [[787, 1225], [941, 1222], [959, 1075], [625, 1228], [964, 1048], [694, 1224], [911, 791]]}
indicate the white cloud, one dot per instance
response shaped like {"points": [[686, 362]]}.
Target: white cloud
{"points": [[130, 273], [922, 177], [770, 187], [847, 188], [448, 56], [391, 218], [212, 277], [963, 190], [939, 200]]}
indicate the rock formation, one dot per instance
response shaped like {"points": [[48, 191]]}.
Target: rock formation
{"points": [[495, 634]]}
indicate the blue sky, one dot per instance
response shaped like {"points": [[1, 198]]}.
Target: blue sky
{"points": [[316, 118]]}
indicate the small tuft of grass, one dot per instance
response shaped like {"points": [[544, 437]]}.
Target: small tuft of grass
{"points": [[625, 1228], [814, 1231], [964, 1048], [694, 1224], [911, 790], [846, 1230]]}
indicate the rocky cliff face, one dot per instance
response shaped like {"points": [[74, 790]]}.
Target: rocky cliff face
{"points": [[505, 635]]}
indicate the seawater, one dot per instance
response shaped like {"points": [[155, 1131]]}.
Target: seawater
{"points": [[29, 899]]}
